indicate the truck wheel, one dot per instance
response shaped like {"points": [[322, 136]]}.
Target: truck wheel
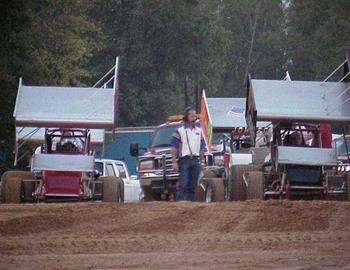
{"points": [[28, 188], [121, 184], [208, 174], [255, 189], [348, 184], [238, 187], [214, 191], [111, 191], [148, 197], [15, 174], [199, 194], [12, 190]]}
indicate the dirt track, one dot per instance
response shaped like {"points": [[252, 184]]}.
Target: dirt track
{"points": [[248, 235]]}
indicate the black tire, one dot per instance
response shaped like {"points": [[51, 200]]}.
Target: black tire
{"points": [[227, 185], [348, 184], [214, 191], [12, 190], [148, 197], [199, 194], [255, 189], [28, 189], [15, 174], [111, 189], [121, 184], [238, 187], [200, 191], [209, 174]]}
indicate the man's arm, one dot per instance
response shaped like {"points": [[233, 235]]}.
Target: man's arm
{"points": [[174, 149], [173, 157]]}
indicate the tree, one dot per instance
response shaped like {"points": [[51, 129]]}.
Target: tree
{"points": [[257, 42], [318, 36], [45, 42]]}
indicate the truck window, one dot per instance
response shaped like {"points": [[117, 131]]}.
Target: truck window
{"points": [[121, 170], [99, 167], [110, 170], [162, 136], [341, 147]]}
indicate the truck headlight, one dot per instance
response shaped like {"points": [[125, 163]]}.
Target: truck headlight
{"points": [[146, 165]]}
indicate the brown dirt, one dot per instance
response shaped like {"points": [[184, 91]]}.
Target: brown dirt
{"points": [[286, 235]]}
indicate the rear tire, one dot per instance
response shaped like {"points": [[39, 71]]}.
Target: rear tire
{"points": [[348, 184], [255, 189], [27, 187], [238, 187], [199, 194], [214, 191], [111, 189], [12, 190]]}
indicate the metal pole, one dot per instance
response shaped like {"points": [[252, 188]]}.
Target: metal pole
{"points": [[104, 76], [335, 71]]}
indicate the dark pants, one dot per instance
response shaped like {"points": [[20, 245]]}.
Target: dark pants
{"points": [[189, 172]]}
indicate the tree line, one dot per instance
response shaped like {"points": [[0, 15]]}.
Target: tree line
{"points": [[170, 50]]}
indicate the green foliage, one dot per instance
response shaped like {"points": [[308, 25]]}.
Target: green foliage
{"points": [[45, 42], [318, 37]]}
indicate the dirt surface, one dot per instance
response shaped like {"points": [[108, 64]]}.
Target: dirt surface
{"points": [[248, 235]]}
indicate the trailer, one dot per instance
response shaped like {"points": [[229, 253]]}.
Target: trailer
{"points": [[118, 146]]}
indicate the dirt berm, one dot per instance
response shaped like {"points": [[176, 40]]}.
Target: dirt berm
{"points": [[243, 235]]}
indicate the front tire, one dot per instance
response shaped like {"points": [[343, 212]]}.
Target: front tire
{"points": [[111, 189], [238, 187], [255, 189], [214, 191]]}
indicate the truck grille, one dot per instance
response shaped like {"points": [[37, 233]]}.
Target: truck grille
{"points": [[158, 165], [158, 162]]}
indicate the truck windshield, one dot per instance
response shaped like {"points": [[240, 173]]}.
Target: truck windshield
{"points": [[162, 136], [341, 147]]}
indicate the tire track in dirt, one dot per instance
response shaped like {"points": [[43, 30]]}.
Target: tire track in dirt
{"points": [[69, 231]]}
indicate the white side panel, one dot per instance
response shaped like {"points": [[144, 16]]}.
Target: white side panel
{"points": [[241, 159], [71, 163], [42, 106], [306, 156]]}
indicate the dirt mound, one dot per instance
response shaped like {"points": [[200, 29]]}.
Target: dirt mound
{"points": [[241, 235]]}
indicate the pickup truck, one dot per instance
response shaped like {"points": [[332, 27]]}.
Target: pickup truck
{"points": [[110, 167]]}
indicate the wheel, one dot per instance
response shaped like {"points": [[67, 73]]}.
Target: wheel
{"points": [[12, 190], [214, 191], [238, 187], [209, 193], [348, 184], [28, 188], [111, 189], [208, 174], [148, 197], [199, 194], [255, 189], [15, 174], [121, 184]]}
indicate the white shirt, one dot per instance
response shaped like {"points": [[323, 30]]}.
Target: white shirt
{"points": [[194, 141]]}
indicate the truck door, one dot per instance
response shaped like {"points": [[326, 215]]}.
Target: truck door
{"points": [[129, 189]]}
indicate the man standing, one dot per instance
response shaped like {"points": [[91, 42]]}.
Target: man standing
{"points": [[188, 147]]}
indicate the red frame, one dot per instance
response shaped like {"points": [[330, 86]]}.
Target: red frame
{"points": [[64, 183]]}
